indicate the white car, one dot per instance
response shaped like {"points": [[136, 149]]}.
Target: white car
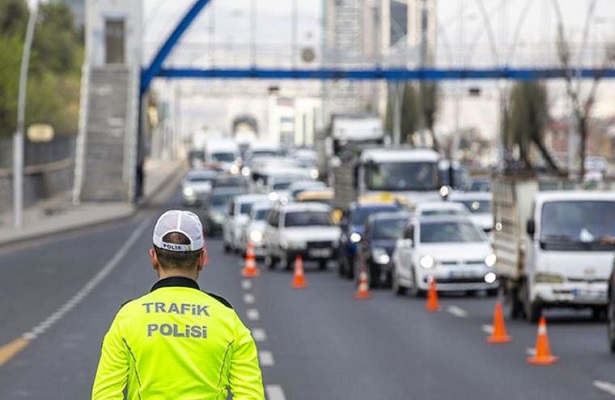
{"points": [[196, 185], [431, 208], [450, 249], [300, 229], [236, 218], [480, 206], [254, 229]]}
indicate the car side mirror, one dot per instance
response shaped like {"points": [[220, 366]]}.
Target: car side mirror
{"points": [[530, 227]]}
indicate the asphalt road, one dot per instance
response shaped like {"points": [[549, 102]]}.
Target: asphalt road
{"points": [[314, 343]]}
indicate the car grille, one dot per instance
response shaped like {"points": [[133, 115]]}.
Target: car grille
{"points": [[463, 263], [322, 244], [460, 280]]}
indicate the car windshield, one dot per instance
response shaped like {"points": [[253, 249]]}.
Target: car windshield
{"points": [[402, 176], [477, 206], [281, 185], [571, 225], [261, 214], [388, 228], [221, 199], [442, 211], [307, 218], [245, 208], [223, 157], [199, 178], [360, 214], [229, 181], [450, 232]]}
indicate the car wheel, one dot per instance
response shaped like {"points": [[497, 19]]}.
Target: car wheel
{"points": [[511, 303], [492, 292], [270, 261], [341, 267], [398, 289], [611, 325], [322, 265], [598, 313], [227, 248], [350, 270], [284, 264], [415, 291], [531, 310]]}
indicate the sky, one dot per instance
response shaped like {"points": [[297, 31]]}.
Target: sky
{"points": [[222, 36]]}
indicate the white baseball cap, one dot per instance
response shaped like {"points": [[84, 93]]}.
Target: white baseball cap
{"points": [[184, 222]]}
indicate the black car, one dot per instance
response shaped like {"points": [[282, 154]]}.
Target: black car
{"points": [[375, 250], [215, 208], [610, 311]]}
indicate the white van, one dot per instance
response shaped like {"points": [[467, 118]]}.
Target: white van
{"points": [[222, 153]]}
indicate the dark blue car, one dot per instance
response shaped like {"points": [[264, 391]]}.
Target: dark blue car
{"points": [[376, 246], [352, 225]]}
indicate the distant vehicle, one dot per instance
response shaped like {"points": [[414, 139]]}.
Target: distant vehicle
{"points": [[460, 174], [222, 153], [450, 249], [196, 185], [215, 207], [237, 216], [230, 180], [381, 232], [300, 229], [256, 151], [352, 224], [431, 208], [480, 184], [297, 187], [254, 229], [320, 195], [480, 206], [408, 173]]}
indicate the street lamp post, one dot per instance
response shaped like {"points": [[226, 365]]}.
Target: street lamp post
{"points": [[18, 139]]}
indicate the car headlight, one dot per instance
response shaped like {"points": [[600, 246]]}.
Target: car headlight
{"points": [[256, 236], [293, 244], [234, 169], [427, 262], [314, 174], [490, 277], [217, 217], [490, 260], [273, 196], [542, 277], [355, 237], [188, 192], [380, 256], [245, 171]]}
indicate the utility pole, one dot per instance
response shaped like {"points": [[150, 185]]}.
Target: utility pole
{"points": [[18, 139]]}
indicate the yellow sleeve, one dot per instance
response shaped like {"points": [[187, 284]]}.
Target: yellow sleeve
{"points": [[246, 381], [112, 373]]}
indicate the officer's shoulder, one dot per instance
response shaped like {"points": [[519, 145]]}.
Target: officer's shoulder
{"points": [[220, 299], [125, 303]]}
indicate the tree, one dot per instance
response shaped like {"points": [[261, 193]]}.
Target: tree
{"points": [[526, 121], [581, 107], [54, 76], [430, 104]]}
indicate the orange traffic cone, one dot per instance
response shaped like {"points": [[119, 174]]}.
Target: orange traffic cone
{"points": [[298, 278], [432, 297], [499, 334], [543, 352], [363, 288], [250, 270]]}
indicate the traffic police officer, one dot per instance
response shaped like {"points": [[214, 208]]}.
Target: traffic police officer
{"points": [[178, 342]]}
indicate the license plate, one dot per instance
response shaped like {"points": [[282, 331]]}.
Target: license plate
{"points": [[320, 253]]}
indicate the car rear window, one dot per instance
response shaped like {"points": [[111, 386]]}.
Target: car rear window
{"points": [[389, 228], [307, 218]]}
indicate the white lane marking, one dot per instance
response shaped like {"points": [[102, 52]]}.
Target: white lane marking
{"points": [[248, 298], [246, 284], [531, 351], [253, 314], [458, 312], [89, 286], [606, 386], [259, 334], [488, 329], [266, 358], [274, 392]]}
